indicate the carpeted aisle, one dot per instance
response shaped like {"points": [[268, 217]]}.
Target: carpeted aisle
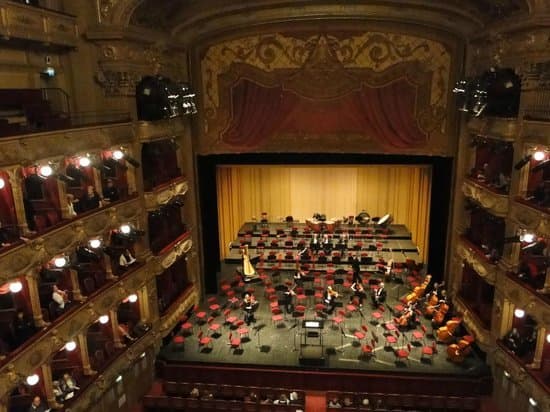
{"points": [[316, 402]]}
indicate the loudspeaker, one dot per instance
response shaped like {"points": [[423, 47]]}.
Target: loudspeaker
{"points": [[312, 356]]}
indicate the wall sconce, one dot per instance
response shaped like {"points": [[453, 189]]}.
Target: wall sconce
{"points": [[32, 379], [16, 287], [95, 243], [85, 161], [519, 313], [61, 261], [121, 153]]}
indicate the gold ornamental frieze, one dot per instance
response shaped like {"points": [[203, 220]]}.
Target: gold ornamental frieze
{"points": [[28, 149], [22, 260], [530, 218], [87, 400], [180, 306], [474, 324], [100, 222], [179, 249], [494, 203], [37, 24], [64, 239], [163, 195], [524, 299], [494, 127], [75, 323], [128, 211], [482, 267], [159, 130], [520, 376]]}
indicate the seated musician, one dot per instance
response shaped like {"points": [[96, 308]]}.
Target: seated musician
{"points": [[408, 319], [359, 292], [379, 295], [299, 276], [315, 244]]}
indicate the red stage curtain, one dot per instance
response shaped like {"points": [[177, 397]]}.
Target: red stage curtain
{"points": [[384, 114]]}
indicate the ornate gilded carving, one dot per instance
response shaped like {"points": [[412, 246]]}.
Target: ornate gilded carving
{"points": [[118, 82], [374, 51], [159, 130], [157, 198], [522, 298], [494, 127], [530, 218], [474, 325], [495, 203], [483, 268], [520, 376], [182, 305], [178, 250]]}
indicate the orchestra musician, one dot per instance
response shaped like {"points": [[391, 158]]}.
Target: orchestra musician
{"points": [[326, 243], [408, 318], [299, 276], [379, 295], [330, 296], [359, 292], [287, 298], [304, 253], [249, 304], [315, 245]]}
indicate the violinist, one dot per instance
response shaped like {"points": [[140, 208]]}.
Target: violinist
{"points": [[356, 267], [299, 276], [330, 296], [359, 292], [379, 295], [249, 304]]}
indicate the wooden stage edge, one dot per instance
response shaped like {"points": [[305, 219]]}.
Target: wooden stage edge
{"points": [[309, 379]]}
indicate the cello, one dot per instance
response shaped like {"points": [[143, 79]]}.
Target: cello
{"points": [[457, 352], [441, 312]]}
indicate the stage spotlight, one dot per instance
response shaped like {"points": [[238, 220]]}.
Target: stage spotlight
{"points": [[64, 178], [118, 154], [527, 237], [523, 162], [103, 319], [132, 161], [32, 379], [95, 243], [2, 183], [132, 298], [61, 261], [70, 346], [121, 153]]}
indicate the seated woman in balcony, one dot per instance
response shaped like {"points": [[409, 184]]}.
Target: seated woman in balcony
{"points": [[70, 205], [126, 259], [68, 384]]}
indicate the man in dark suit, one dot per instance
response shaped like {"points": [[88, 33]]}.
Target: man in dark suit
{"points": [[37, 405], [379, 295]]}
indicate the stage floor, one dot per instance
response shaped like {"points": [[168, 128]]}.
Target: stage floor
{"points": [[284, 344]]}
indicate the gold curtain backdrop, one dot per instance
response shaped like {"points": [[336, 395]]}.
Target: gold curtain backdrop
{"points": [[245, 192]]}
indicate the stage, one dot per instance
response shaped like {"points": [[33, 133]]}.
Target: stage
{"points": [[286, 344]]}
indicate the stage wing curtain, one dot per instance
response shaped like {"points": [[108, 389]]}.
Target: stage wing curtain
{"points": [[385, 114], [247, 191]]}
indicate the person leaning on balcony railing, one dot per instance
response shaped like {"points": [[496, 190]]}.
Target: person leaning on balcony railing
{"points": [[61, 297]]}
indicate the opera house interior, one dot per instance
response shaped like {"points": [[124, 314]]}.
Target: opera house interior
{"points": [[271, 205]]}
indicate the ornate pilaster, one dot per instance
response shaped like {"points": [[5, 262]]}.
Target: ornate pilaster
{"points": [[541, 340], [16, 182], [48, 386], [108, 267], [32, 284], [84, 355], [116, 333], [144, 309], [77, 294]]}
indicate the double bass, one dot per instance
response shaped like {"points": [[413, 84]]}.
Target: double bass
{"points": [[434, 301], [418, 291], [457, 352], [445, 334]]}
